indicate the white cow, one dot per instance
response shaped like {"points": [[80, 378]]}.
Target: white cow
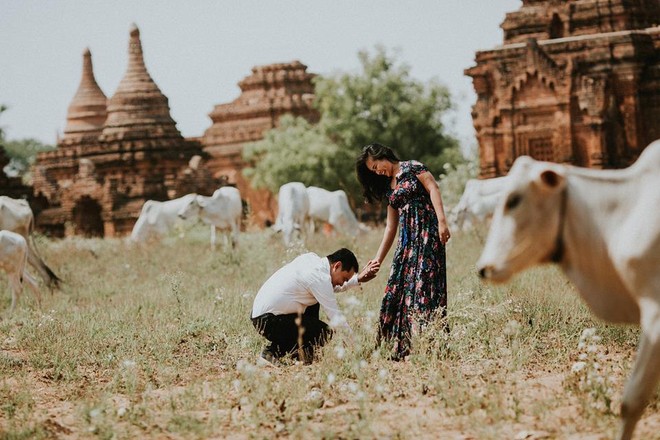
{"points": [[16, 216], [332, 207], [223, 210], [477, 203], [158, 218], [293, 210], [603, 228], [13, 260]]}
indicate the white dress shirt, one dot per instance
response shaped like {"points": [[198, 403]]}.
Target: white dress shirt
{"points": [[302, 283]]}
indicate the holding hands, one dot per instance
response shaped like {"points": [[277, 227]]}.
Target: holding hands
{"points": [[369, 272]]}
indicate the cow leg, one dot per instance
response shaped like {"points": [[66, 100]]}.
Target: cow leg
{"points": [[213, 237], [16, 287], [646, 370], [27, 278], [234, 235], [225, 239]]}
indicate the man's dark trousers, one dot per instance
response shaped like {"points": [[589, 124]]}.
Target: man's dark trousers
{"points": [[283, 332]]}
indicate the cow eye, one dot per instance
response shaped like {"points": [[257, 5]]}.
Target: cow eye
{"points": [[513, 201]]}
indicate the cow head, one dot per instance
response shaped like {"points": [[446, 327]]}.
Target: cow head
{"points": [[191, 208], [526, 223]]}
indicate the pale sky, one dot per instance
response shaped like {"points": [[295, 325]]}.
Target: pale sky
{"points": [[198, 50]]}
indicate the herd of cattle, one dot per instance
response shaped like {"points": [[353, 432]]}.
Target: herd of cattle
{"points": [[602, 227]]}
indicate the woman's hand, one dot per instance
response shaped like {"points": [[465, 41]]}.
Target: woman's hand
{"points": [[369, 272], [443, 232]]}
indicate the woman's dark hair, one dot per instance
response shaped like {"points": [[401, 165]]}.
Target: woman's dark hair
{"points": [[345, 257], [374, 187]]}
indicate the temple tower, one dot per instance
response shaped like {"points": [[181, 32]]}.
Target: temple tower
{"points": [[87, 111], [112, 158], [268, 93], [576, 81]]}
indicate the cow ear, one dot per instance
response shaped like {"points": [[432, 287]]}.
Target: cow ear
{"points": [[200, 201], [552, 179]]}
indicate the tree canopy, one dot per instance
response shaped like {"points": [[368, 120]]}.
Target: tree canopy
{"points": [[296, 151], [21, 152], [381, 103]]}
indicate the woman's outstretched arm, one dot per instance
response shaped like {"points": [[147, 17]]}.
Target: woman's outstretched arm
{"points": [[389, 234], [436, 199]]}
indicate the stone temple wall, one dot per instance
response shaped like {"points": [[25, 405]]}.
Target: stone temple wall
{"points": [[575, 81], [114, 155], [268, 93]]}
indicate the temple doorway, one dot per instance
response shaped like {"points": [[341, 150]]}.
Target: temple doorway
{"points": [[87, 218]]}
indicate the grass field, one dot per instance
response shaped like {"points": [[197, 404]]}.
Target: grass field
{"points": [[156, 342]]}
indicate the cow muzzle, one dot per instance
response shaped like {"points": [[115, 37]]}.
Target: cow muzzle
{"points": [[489, 272]]}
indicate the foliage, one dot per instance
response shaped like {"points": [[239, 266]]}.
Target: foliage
{"points": [[3, 108], [382, 103], [21, 152], [295, 151], [453, 180]]}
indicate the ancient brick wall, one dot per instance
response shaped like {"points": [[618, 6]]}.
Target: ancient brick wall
{"points": [[268, 93], [114, 155], [575, 82]]}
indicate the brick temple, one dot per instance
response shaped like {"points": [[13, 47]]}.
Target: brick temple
{"points": [[114, 155], [268, 93], [576, 81]]}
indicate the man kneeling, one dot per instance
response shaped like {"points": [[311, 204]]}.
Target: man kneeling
{"points": [[286, 308]]}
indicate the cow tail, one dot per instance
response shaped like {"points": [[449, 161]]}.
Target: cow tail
{"points": [[51, 279]]}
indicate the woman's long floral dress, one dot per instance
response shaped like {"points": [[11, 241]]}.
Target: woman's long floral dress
{"points": [[417, 285]]}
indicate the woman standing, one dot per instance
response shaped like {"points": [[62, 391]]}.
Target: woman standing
{"points": [[417, 285]]}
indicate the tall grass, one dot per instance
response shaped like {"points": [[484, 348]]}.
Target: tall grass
{"points": [[156, 342]]}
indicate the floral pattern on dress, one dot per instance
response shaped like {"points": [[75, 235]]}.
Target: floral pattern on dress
{"points": [[417, 284]]}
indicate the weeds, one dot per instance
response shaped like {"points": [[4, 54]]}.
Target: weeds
{"points": [[156, 342]]}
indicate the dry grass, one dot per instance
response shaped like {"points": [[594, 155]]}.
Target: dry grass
{"points": [[156, 343]]}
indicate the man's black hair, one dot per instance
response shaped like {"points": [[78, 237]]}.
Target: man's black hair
{"points": [[346, 257]]}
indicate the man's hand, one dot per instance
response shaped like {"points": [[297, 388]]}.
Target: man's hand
{"points": [[369, 272]]}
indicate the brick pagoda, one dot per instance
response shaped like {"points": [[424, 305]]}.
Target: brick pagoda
{"points": [[114, 155], [268, 93], [576, 81]]}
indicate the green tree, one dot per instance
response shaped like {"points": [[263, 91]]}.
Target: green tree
{"points": [[382, 103], [385, 104], [295, 151], [3, 108], [21, 152]]}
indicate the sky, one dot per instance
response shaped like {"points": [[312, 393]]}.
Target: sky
{"points": [[198, 50]]}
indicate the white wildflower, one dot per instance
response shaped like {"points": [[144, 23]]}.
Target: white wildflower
{"points": [[578, 366], [512, 328], [587, 333]]}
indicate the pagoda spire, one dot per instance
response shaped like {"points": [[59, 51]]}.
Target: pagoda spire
{"points": [[138, 109], [87, 110]]}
